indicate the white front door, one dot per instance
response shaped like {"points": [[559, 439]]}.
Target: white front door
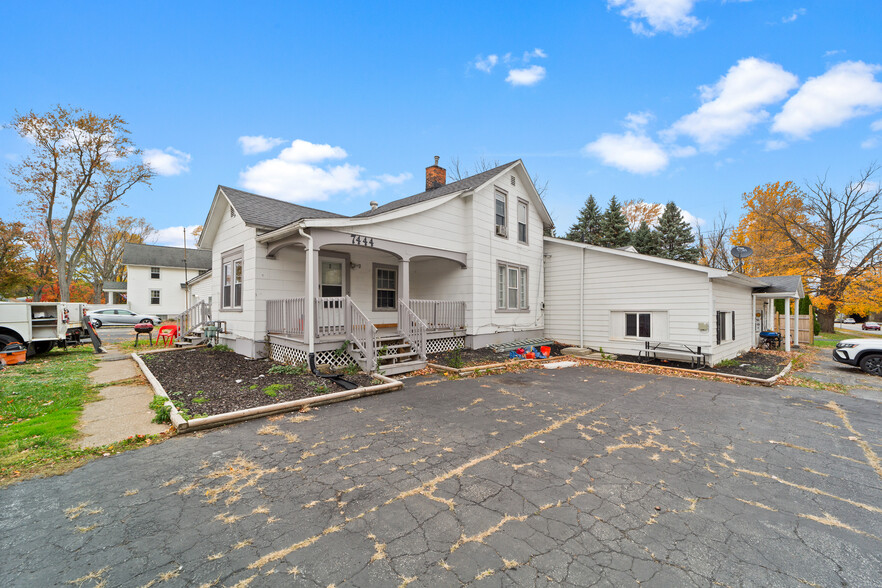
{"points": [[332, 279]]}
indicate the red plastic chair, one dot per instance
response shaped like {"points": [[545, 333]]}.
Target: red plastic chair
{"points": [[168, 334]]}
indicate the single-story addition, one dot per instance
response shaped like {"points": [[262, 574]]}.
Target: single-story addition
{"points": [[158, 276], [460, 264]]}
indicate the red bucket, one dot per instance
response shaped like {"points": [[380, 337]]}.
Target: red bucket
{"points": [[546, 350]]}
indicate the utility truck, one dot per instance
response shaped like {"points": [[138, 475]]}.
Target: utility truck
{"points": [[42, 325]]}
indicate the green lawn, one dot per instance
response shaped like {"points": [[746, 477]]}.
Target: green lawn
{"points": [[829, 340]]}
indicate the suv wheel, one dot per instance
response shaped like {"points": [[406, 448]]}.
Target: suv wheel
{"points": [[872, 364]]}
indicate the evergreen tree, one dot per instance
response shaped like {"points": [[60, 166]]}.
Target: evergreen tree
{"points": [[587, 226], [645, 240], [675, 236], [614, 226]]}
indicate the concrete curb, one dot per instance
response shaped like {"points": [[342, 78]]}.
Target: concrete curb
{"points": [[487, 366], [182, 425]]}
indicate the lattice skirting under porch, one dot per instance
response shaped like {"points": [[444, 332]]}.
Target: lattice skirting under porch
{"points": [[292, 355], [445, 344]]}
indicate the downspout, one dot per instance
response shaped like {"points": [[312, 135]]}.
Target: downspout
{"points": [[582, 302], [310, 298]]}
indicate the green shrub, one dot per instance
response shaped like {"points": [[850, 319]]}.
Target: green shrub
{"points": [[273, 389], [222, 348], [455, 360], [319, 388], [163, 411]]}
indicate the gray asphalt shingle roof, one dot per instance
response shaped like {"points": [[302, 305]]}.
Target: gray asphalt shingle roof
{"points": [[162, 256], [115, 286], [468, 183], [780, 284], [269, 212]]}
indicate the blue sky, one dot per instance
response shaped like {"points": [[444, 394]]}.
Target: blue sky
{"points": [[336, 104]]}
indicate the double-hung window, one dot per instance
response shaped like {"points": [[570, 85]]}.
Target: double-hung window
{"points": [[501, 213], [154, 296], [638, 324], [154, 273], [725, 326], [522, 222], [511, 287], [231, 281], [385, 287]]}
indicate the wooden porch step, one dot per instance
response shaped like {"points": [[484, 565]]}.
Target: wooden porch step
{"points": [[396, 355], [403, 367]]}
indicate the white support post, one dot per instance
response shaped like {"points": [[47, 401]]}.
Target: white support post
{"points": [[796, 321], [753, 319], [787, 324], [404, 270]]}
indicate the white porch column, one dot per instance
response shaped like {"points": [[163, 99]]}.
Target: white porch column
{"points": [[404, 270], [796, 321], [787, 324], [753, 319]]}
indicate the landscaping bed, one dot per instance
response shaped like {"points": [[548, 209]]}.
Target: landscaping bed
{"points": [[461, 358], [205, 382], [751, 364]]}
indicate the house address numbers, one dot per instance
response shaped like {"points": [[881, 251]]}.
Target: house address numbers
{"points": [[363, 241]]}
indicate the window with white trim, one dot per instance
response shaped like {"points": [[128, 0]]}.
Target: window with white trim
{"points": [[231, 281], [154, 273], [385, 287], [638, 325], [511, 287], [522, 222], [501, 213], [154, 296]]}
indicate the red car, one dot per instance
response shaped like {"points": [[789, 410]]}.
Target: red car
{"points": [[870, 326]]}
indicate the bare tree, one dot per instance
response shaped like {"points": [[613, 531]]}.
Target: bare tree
{"points": [[715, 244], [81, 167], [456, 171]]}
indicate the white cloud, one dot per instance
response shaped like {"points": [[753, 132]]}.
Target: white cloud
{"points": [[775, 144], [876, 125], [168, 162], [537, 52], [735, 103], [301, 172], [680, 151], [666, 16], [636, 121], [173, 236], [692, 219], [258, 144], [527, 76], [796, 14], [486, 65], [846, 91], [833, 52], [630, 152], [870, 143]]}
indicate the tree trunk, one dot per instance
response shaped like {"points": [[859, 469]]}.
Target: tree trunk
{"points": [[38, 293], [96, 292], [827, 317]]}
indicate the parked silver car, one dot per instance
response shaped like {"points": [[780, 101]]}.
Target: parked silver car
{"points": [[119, 316]]}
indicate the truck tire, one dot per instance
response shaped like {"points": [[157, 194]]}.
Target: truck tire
{"points": [[872, 364], [43, 346], [6, 340]]}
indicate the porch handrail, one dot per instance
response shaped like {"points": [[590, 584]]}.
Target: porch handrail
{"points": [[361, 332], [286, 316], [193, 318], [440, 315], [412, 328], [330, 316]]}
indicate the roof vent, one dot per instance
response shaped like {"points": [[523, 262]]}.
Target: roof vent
{"points": [[512, 180], [374, 204]]}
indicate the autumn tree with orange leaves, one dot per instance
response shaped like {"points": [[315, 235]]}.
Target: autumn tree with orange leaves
{"points": [[638, 211], [15, 265], [81, 166], [102, 259], [830, 237]]}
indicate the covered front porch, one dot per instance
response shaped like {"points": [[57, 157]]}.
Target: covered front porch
{"points": [[381, 301]]}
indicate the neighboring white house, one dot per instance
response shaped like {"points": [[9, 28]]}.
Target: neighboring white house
{"points": [[156, 277], [461, 264]]}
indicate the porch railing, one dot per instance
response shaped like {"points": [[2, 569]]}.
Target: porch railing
{"points": [[330, 316], [193, 318], [412, 328], [286, 316], [361, 332], [440, 315]]}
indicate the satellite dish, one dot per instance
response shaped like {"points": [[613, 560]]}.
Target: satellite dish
{"points": [[741, 252]]}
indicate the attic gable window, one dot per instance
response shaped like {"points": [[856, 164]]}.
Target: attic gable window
{"points": [[522, 222], [154, 273], [501, 213]]}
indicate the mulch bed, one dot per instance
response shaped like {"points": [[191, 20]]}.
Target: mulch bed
{"points": [[483, 356], [753, 364], [206, 382]]}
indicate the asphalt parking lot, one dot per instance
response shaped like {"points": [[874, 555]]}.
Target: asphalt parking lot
{"points": [[580, 476]]}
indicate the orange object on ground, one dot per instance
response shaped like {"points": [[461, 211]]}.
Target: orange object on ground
{"points": [[546, 350], [167, 333], [530, 355], [14, 354]]}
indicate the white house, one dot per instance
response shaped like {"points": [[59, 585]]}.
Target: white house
{"points": [[461, 264], [156, 277]]}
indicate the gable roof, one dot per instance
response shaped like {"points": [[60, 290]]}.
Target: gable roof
{"points": [[468, 183], [162, 256], [268, 212], [114, 286]]}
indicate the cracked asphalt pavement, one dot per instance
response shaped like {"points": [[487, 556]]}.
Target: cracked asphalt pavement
{"points": [[580, 476]]}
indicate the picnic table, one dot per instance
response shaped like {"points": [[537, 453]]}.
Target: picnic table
{"points": [[669, 349]]}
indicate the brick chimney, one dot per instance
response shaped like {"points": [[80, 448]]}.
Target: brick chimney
{"points": [[436, 176]]}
